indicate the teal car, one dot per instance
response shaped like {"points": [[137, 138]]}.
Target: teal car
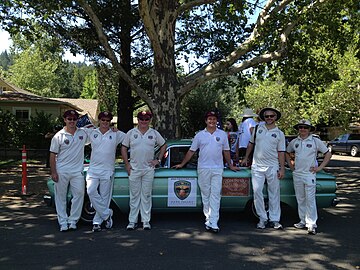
{"points": [[176, 190]]}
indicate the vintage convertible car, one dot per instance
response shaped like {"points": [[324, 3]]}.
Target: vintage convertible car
{"points": [[177, 190]]}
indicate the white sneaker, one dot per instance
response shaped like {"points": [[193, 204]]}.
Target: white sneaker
{"points": [[261, 224], [132, 226], [312, 230], [96, 228], [109, 221], [299, 225], [72, 226], [64, 228], [146, 226], [276, 225]]}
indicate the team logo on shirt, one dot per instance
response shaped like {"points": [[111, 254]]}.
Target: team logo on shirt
{"points": [[81, 137], [273, 135], [150, 137], [135, 136], [66, 141], [296, 145], [182, 189], [217, 139], [309, 145], [95, 135]]}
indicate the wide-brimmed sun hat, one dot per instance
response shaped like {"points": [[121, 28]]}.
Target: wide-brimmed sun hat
{"points": [[261, 113], [248, 113], [304, 122]]}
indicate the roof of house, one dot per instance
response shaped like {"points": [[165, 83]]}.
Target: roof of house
{"points": [[89, 106]]}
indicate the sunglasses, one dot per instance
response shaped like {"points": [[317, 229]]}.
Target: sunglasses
{"points": [[105, 120], [144, 119], [303, 127], [71, 119], [269, 116]]}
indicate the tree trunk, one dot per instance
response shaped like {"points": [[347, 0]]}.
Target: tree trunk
{"points": [[159, 21], [125, 102]]}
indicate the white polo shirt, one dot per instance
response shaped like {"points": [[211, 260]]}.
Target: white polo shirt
{"points": [[245, 134], [103, 150], [69, 150], [268, 144], [211, 147], [142, 147], [305, 152]]}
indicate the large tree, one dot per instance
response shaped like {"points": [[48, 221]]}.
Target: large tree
{"points": [[217, 33]]}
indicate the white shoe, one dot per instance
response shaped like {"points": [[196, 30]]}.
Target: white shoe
{"points": [[299, 225], [276, 225], [64, 228], [132, 226], [261, 224], [72, 226], [109, 221], [96, 228], [146, 226]]}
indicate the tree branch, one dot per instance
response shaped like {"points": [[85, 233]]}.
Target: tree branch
{"points": [[110, 53]]}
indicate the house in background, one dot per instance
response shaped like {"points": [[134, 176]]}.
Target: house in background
{"points": [[24, 104]]}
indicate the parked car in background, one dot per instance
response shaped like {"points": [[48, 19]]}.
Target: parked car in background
{"points": [[346, 143], [177, 190]]}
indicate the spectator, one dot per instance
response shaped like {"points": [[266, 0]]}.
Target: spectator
{"points": [[306, 146], [245, 129], [214, 146], [268, 143], [233, 136], [141, 141]]}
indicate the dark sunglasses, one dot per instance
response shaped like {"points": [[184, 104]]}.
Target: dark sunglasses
{"points": [[144, 119], [71, 119], [269, 116], [303, 127], [105, 120]]}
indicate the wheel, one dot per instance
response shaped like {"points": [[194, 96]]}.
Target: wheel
{"points": [[354, 151], [253, 210], [88, 211]]}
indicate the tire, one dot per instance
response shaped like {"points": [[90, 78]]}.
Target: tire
{"points": [[253, 210], [354, 151], [88, 211]]}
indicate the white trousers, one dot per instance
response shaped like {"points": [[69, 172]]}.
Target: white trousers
{"points": [[258, 176], [100, 191], [305, 191], [140, 188], [210, 183], [76, 184]]}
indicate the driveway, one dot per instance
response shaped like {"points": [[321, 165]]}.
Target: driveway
{"points": [[30, 238]]}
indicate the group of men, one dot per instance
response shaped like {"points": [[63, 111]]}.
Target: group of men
{"points": [[266, 147], [67, 159]]}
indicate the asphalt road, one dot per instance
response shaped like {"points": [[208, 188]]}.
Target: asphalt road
{"points": [[30, 238]]}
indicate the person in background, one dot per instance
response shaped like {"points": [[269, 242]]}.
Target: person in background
{"points": [[233, 136], [306, 146], [141, 141], [66, 166], [99, 177], [245, 129], [214, 147], [268, 144]]}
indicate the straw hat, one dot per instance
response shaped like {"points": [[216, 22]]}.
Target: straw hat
{"points": [[248, 113]]}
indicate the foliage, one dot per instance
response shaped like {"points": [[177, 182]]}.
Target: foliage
{"points": [[15, 134], [6, 60]]}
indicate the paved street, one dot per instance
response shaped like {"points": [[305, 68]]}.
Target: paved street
{"points": [[30, 238]]}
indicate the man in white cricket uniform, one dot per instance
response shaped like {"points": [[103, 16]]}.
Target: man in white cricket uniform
{"points": [[141, 141], [268, 153], [306, 146], [213, 145], [67, 164], [99, 177]]}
